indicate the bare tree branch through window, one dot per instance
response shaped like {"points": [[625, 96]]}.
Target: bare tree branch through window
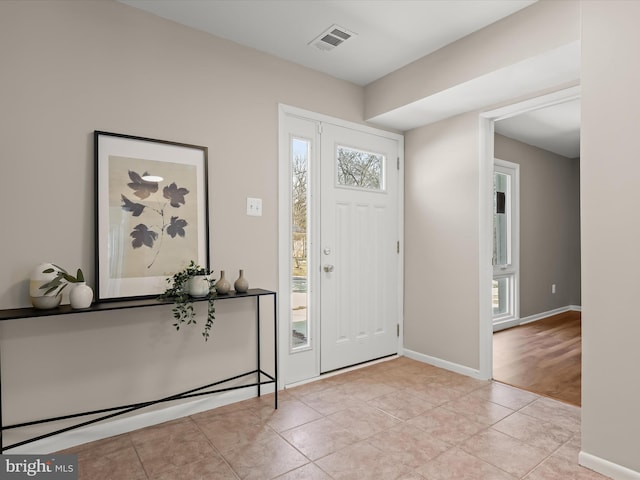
{"points": [[357, 168]]}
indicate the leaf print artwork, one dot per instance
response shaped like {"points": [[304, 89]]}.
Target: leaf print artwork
{"points": [[146, 235], [151, 215], [142, 188], [129, 206], [143, 236], [175, 194], [176, 227]]}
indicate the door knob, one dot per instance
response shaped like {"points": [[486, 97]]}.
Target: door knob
{"points": [[328, 268]]}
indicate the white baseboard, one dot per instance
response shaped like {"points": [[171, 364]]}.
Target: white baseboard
{"points": [[438, 362], [532, 318], [606, 467], [123, 425]]}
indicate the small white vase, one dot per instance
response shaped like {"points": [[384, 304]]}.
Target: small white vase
{"points": [[198, 286], [80, 296]]}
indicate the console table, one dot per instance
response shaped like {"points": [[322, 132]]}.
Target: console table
{"points": [[261, 377]]}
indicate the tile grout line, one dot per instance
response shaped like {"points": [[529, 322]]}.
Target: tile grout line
{"points": [[135, 449], [215, 449]]}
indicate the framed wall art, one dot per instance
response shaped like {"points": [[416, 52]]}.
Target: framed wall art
{"points": [[151, 213]]}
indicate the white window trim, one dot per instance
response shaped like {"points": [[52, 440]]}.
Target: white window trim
{"points": [[513, 270]]}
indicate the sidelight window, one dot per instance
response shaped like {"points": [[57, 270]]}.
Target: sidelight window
{"points": [[300, 154]]}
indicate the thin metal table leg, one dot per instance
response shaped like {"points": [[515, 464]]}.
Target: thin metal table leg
{"points": [[1, 423], [258, 338], [275, 345]]}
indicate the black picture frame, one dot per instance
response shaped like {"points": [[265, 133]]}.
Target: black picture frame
{"points": [[147, 228]]}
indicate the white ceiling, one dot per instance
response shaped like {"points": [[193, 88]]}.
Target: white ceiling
{"points": [[388, 35], [555, 128]]}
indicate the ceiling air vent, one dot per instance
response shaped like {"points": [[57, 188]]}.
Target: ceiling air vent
{"points": [[331, 38]]}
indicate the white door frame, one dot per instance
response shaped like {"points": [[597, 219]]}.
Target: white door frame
{"points": [[284, 236], [485, 206]]}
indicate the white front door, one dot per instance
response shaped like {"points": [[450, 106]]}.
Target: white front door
{"points": [[359, 243], [340, 210]]}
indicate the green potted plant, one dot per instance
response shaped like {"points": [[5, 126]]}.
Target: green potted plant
{"points": [[80, 296], [182, 291], [61, 280]]}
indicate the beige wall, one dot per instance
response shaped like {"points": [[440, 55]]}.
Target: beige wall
{"points": [[442, 309], [441, 157], [441, 240], [549, 226], [69, 68], [610, 231], [544, 26]]}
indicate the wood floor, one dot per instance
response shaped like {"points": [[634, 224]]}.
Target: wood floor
{"points": [[543, 357]]}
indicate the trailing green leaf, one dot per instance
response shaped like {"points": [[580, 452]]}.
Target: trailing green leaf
{"points": [[183, 311], [60, 281]]}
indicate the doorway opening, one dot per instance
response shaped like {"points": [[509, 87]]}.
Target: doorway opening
{"points": [[487, 155], [549, 269]]}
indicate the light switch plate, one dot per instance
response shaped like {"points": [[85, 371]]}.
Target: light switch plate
{"points": [[254, 207]]}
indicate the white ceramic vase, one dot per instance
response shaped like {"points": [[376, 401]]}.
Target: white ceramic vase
{"points": [[38, 278], [45, 302], [81, 295], [198, 286]]}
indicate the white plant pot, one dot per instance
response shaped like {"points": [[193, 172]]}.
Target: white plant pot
{"points": [[198, 286], [80, 296], [38, 278], [45, 302]]}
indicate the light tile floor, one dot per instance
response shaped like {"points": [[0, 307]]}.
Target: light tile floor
{"points": [[399, 419]]}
